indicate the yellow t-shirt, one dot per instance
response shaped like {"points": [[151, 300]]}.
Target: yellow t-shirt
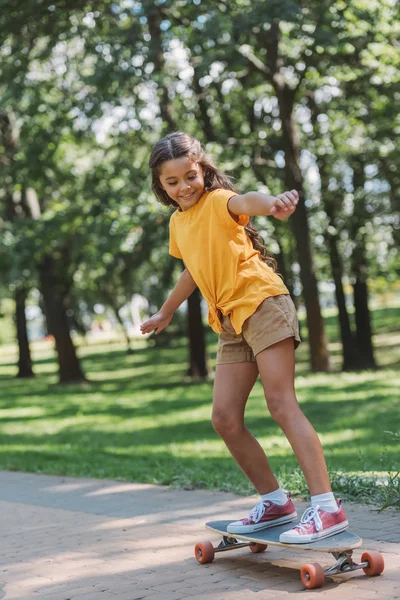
{"points": [[221, 259]]}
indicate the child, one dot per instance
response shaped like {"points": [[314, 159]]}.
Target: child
{"points": [[250, 307]]}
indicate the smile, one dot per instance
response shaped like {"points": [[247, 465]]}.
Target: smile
{"points": [[188, 196]]}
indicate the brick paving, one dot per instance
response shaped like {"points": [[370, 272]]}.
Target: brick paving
{"points": [[84, 539]]}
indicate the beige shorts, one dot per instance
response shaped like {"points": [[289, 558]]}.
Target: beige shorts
{"points": [[273, 321]]}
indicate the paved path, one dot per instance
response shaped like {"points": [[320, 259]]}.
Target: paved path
{"points": [[83, 539]]}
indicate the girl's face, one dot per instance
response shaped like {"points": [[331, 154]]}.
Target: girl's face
{"points": [[183, 180]]}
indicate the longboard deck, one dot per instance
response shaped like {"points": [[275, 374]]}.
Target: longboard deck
{"points": [[336, 543]]}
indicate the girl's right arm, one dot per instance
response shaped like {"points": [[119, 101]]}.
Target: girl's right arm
{"points": [[185, 286]]}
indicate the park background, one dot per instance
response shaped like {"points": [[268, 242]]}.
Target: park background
{"points": [[284, 95]]}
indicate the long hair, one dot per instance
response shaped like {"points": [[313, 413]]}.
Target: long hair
{"points": [[178, 144]]}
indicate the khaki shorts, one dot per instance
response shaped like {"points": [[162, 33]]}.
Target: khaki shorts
{"points": [[273, 321]]}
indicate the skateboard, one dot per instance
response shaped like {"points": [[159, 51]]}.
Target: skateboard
{"points": [[341, 546]]}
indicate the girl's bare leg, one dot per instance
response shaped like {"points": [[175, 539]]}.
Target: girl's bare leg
{"points": [[232, 386], [277, 366]]}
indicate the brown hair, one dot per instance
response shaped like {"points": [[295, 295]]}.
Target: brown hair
{"points": [[178, 144]]}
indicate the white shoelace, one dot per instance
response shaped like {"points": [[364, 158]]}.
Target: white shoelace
{"points": [[311, 514], [257, 512]]}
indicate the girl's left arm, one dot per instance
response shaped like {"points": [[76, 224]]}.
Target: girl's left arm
{"points": [[257, 204]]}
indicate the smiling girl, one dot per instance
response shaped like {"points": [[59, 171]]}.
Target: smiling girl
{"points": [[250, 308]]}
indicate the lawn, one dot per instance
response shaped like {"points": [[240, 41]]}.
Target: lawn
{"points": [[139, 420]]}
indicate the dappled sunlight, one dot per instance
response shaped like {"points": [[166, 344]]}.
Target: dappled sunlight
{"points": [[28, 412], [116, 489], [66, 488], [139, 419], [118, 524], [365, 458], [117, 558], [339, 437]]}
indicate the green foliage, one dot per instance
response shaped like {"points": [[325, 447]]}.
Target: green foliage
{"points": [[91, 86], [139, 420], [391, 488]]}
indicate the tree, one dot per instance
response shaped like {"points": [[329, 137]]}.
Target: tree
{"points": [[242, 44], [12, 211], [99, 84]]}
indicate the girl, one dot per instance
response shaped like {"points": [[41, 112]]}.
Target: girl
{"points": [[250, 308]]}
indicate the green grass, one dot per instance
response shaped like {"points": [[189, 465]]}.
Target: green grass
{"points": [[139, 420]]}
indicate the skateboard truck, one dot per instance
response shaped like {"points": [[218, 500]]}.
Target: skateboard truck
{"points": [[228, 542], [344, 562]]}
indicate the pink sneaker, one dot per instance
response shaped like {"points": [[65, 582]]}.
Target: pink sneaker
{"points": [[316, 524], [263, 515]]}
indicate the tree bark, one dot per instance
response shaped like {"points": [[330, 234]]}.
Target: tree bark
{"points": [[360, 271], [361, 308], [24, 360], [299, 221], [54, 299], [197, 344], [283, 269], [363, 319], [10, 137], [392, 175], [351, 357], [115, 310], [350, 354]]}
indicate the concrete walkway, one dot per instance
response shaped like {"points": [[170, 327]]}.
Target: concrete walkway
{"points": [[83, 539]]}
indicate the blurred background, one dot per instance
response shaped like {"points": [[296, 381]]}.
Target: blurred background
{"points": [[284, 95]]}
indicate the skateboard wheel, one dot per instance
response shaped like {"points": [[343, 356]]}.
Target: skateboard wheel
{"points": [[256, 548], [375, 561], [204, 552], [312, 575]]}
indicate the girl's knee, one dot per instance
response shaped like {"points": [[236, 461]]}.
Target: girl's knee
{"points": [[226, 424], [283, 409]]}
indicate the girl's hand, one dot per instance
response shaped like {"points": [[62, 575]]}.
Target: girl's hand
{"points": [[158, 322], [284, 205]]}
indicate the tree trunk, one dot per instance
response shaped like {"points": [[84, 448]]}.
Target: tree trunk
{"points": [[197, 342], [362, 313], [351, 357], [271, 68], [360, 270], [299, 221], [122, 325], [391, 174], [54, 299], [24, 360], [282, 269]]}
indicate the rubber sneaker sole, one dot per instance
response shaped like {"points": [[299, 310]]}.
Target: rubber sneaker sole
{"points": [[286, 538], [238, 528]]}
